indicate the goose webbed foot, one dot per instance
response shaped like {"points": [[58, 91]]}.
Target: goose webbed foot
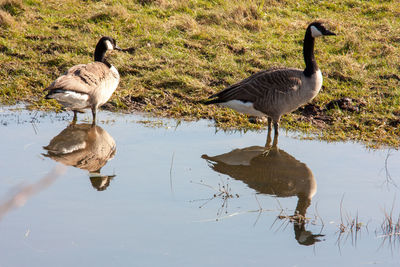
{"points": [[269, 149], [266, 151]]}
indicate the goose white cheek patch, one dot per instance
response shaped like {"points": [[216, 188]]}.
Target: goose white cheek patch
{"points": [[315, 32], [109, 45]]}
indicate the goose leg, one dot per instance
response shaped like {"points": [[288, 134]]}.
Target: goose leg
{"points": [[94, 116], [75, 117], [268, 143], [276, 134]]}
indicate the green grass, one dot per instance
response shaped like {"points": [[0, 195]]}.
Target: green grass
{"points": [[182, 51]]}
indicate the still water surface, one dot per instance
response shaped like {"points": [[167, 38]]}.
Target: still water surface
{"points": [[151, 192]]}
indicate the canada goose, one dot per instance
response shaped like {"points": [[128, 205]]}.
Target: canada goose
{"points": [[86, 147], [87, 85], [275, 92], [276, 173]]}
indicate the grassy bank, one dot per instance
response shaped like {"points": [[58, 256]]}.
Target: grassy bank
{"points": [[182, 51]]}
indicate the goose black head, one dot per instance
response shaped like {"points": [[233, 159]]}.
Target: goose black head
{"points": [[318, 29], [107, 43]]}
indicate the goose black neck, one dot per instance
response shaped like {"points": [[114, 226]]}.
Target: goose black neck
{"points": [[99, 54], [308, 53]]}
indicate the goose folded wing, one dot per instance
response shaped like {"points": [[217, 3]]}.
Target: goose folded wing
{"points": [[262, 85], [82, 78]]}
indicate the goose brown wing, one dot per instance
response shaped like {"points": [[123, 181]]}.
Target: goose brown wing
{"points": [[261, 85], [83, 78]]}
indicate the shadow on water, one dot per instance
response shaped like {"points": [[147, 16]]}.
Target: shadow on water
{"points": [[274, 173], [85, 147]]}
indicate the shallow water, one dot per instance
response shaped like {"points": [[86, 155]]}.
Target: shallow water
{"points": [[174, 193]]}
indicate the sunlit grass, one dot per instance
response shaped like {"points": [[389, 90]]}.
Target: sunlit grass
{"points": [[183, 51]]}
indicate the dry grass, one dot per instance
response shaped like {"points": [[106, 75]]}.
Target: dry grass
{"points": [[11, 3], [390, 229], [8, 8], [181, 22], [6, 20], [349, 228]]}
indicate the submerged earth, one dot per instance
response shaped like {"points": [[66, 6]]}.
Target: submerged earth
{"points": [[143, 191]]}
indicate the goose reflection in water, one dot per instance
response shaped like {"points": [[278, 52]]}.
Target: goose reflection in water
{"points": [[85, 147], [276, 173]]}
